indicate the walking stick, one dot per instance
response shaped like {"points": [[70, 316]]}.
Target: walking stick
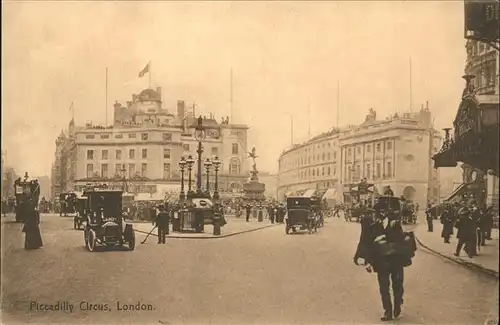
{"points": [[142, 242]]}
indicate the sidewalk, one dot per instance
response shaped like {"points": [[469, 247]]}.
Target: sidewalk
{"points": [[234, 226], [488, 257]]}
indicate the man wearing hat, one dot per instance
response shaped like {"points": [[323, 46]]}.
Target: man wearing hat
{"points": [[162, 222], [386, 249], [466, 232]]}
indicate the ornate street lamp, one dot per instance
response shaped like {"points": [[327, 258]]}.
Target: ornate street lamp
{"points": [[182, 166], [216, 163], [208, 164], [199, 135], [190, 164]]}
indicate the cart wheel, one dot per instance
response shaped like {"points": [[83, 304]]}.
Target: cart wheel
{"points": [[131, 243], [92, 241]]}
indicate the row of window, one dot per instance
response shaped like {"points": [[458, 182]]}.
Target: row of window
{"points": [[122, 170], [351, 172], [144, 136], [215, 150], [328, 155], [131, 154]]}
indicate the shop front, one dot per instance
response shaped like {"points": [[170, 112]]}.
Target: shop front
{"points": [[475, 134]]}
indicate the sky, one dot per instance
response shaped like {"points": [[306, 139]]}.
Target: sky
{"points": [[288, 58]]}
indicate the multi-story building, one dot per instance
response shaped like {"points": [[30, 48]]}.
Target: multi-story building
{"points": [[396, 151], [483, 63], [143, 148]]}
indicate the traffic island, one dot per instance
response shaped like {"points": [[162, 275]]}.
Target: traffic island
{"points": [[232, 228]]}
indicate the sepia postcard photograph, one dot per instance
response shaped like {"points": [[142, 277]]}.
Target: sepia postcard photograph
{"points": [[250, 162]]}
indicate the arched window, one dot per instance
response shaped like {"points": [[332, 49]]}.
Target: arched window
{"points": [[234, 166]]}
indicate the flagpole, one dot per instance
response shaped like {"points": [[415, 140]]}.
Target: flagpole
{"points": [[231, 94], [338, 103], [106, 99], [149, 73], [410, 88]]}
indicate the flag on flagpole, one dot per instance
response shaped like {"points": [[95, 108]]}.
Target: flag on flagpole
{"points": [[144, 71]]}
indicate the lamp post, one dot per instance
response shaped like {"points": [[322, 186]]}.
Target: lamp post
{"points": [[199, 135], [208, 164], [182, 166], [216, 163], [125, 187], [190, 164]]}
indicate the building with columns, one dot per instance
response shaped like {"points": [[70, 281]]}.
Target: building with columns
{"points": [[396, 151], [141, 151]]}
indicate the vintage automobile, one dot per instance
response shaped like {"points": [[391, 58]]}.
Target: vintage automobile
{"points": [[300, 215], [105, 224], [67, 201], [81, 211]]}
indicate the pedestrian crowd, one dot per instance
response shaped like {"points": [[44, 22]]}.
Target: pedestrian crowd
{"points": [[473, 225]]}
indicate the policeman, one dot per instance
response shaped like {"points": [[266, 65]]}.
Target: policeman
{"points": [[248, 209], [162, 222], [375, 248]]}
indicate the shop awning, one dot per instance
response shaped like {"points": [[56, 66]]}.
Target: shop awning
{"points": [[309, 193], [148, 197]]}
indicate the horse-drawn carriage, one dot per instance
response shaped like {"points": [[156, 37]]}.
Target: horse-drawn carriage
{"points": [[358, 199], [67, 203], [81, 211], [27, 194], [301, 214]]}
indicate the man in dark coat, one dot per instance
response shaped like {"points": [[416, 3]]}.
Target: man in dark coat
{"points": [[162, 222], [447, 221], [429, 218], [466, 229], [272, 212], [248, 209], [380, 247], [488, 221]]}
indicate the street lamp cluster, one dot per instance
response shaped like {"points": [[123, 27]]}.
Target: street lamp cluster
{"points": [[187, 164]]}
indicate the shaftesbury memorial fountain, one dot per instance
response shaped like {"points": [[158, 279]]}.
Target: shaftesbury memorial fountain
{"points": [[253, 189]]}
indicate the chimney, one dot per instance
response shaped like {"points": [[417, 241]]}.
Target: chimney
{"points": [[158, 90], [181, 110], [117, 105], [422, 108], [427, 105]]}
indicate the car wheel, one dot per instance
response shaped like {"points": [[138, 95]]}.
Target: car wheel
{"points": [[131, 243], [92, 241]]}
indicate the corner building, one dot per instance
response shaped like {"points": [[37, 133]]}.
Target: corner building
{"points": [[396, 151], [141, 151]]}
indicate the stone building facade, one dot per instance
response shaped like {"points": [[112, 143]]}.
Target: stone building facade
{"points": [[396, 151], [142, 150]]}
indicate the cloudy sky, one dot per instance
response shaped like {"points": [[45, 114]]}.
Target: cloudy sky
{"points": [[285, 56]]}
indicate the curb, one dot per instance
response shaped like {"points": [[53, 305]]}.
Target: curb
{"points": [[213, 237], [469, 265]]}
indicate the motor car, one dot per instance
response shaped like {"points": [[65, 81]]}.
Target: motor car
{"points": [[105, 224], [300, 215]]}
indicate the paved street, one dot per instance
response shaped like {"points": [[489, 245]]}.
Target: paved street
{"points": [[259, 277]]}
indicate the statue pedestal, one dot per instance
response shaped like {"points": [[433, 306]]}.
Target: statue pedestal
{"points": [[254, 190]]}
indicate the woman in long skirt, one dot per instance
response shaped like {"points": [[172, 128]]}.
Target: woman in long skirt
{"points": [[33, 238]]}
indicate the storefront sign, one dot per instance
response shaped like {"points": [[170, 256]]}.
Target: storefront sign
{"points": [[466, 119]]}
